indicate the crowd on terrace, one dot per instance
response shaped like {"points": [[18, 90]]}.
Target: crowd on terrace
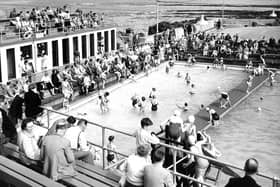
{"points": [[92, 73], [220, 45], [40, 20]]}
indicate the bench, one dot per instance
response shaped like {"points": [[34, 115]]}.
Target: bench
{"points": [[82, 179], [15, 174], [108, 177]]}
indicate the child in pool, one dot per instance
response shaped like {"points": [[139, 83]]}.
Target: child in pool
{"points": [[184, 108], [192, 90], [154, 103], [188, 78], [141, 104]]}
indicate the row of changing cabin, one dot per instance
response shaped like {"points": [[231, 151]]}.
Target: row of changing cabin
{"points": [[53, 50]]}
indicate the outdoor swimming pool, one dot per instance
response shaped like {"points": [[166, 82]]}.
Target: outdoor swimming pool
{"points": [[170, 90], [243, 132]]}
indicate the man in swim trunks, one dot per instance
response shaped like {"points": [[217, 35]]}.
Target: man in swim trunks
{"points": [[213, 116]]}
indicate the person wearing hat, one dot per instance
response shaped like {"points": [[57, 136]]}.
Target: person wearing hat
{"points": [[56, 153], [251, 169], [134, 167]]}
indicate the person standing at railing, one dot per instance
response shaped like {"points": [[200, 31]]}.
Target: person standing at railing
{"points": [[155, 175], [134, 167], [143, 135], [200, 164], [251, 169]]}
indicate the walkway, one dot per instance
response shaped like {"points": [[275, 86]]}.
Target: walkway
{"points": [[237, 95]]}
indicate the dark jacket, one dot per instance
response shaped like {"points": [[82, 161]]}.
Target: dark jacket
{"points": [[15, 109], [32, 104], [8, 128], [245, 181]]}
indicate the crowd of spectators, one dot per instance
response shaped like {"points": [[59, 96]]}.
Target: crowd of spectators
{"points": [[219, 45], [40, 20]]}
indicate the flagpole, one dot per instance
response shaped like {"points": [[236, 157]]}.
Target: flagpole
{"points": [[157, 16]]}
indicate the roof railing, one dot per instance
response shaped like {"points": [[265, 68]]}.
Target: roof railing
{"points": [[48, 31], [274, 180]]}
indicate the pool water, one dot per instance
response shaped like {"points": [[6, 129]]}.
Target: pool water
{"points": [[171, 90], [246, 132], [243, 133]]}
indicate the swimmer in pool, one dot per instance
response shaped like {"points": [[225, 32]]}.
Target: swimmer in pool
{"points": [[191, 92], [154, 103], [188, 78], [184, 108], [167, 67], [101, 103], [135, 99], [141, 104], [106, 101], [179, 75], [201, 107], [153, 93]]}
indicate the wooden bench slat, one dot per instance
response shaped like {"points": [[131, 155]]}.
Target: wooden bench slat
{"points": [[72, 182], [15, 179], [80, 179], [89, 181], [96, 176], [98, 170], [28, 173]]}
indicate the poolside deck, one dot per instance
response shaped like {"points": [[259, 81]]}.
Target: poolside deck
{"points": [[237, 95]]}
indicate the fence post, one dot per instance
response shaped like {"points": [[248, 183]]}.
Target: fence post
{"points": [[48, 118], [103, 145], [174, 165], [275, 182]]}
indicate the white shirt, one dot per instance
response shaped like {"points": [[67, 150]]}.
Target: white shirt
{"points": [[134, 167], [77, 137], [145, 137], [28, 145], [46, 79]]}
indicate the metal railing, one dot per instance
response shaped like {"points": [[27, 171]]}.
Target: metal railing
{"points": [[6, 36], [274, 180]]}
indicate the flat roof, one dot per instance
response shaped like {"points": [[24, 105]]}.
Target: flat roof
{"points": [[53, 33]]}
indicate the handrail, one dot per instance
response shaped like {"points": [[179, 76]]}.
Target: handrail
{"points": [[51, 31], [273, 179]]}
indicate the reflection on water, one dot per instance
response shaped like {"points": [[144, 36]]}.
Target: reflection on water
{"points": [[247, 132]]}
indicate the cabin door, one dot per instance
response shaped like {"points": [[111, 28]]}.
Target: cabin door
{"points": [[55, 53], [11, 63], [65, 51], [113, 40], [106, 41]]}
